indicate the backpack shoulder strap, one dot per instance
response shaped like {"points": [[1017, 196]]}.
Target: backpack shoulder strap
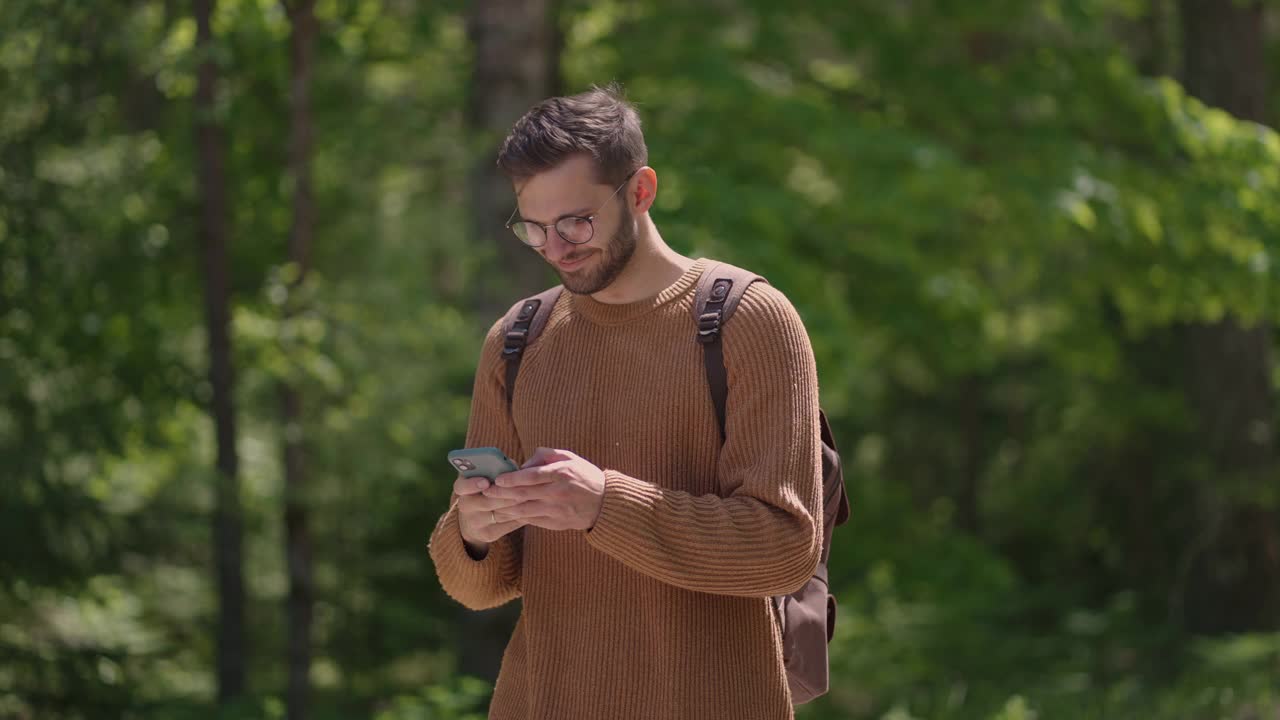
{"points": [[720, 288], [522, 325]]}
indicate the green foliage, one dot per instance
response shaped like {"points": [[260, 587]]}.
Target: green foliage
{"points": [[465, 701], [992, 224]]}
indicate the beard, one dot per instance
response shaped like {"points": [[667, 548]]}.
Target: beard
{"points": [[616, 254]]}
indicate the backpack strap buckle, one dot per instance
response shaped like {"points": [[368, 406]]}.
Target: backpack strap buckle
{"points": [[523, 323], [518, 336], [709, 326], [514, 341]]}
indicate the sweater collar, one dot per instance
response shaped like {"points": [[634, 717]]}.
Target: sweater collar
{"points": [[616, 313]]}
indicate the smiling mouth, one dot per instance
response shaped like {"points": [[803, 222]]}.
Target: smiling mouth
{"points": [[569, 264]]}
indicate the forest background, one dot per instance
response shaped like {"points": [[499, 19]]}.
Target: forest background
{"points": [[248, 251]]}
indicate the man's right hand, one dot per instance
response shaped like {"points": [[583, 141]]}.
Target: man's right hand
{"points": [[475, 515]]}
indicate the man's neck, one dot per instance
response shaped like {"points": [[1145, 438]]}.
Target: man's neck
{"points": [[653, 267]]}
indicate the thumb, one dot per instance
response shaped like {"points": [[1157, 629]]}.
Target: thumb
{"points": [[544, 456]]}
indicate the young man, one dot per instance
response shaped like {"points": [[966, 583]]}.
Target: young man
{"points": [[645, 550]]}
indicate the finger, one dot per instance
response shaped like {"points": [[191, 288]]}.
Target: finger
{"points": [[484, 503], [545, 455], [523, 493], [539, 457], [538, 475], [469, 486], [547, 523], [530, 509], [497, 530]]}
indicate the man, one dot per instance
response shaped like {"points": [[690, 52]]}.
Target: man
{"points": [[645, 551]]}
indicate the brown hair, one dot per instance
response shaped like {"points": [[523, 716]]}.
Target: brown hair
{"points": [[598, 122]]}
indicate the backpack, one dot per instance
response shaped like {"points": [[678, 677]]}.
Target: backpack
{"points": [[807, 617]]}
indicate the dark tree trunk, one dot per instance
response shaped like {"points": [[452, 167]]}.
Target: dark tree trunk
{"points": [[298, 550], [516, 64], [1234, 583], [1154, 39], [969, 494], [1222, 55], [227, 524], [516, 61]]}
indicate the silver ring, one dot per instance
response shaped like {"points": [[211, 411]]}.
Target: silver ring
{"points": [[493, 519]]}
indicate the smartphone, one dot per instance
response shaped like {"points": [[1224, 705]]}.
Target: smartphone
{"points": [[485, 462]]}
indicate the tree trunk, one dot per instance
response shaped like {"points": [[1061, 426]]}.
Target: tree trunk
{"points": [[516, 62], [516, 65], [1222, 55], [1155, 39], [227, 525], [1235, 583], [298, 551], [968, 497]]}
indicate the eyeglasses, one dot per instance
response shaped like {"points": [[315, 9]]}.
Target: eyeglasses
{"points": [[575, 229]]}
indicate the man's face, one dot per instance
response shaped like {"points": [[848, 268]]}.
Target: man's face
{"points": [[571, 188]]}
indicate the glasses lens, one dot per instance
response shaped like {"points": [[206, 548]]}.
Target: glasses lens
{"points": [[574, 229], [528, 233]]}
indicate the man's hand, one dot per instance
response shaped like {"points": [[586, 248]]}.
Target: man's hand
{"points": [[476, 520], [554, 490]]}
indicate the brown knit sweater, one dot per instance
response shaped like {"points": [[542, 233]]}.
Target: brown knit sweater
{"points": [[661, 610]]}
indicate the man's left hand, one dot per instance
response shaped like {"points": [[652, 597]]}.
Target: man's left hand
{"points": [[557, 490]]}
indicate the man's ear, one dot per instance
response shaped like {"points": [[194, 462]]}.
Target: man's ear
{"points": [[644, 190]]}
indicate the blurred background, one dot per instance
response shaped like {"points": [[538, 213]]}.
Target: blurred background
{"points": [[248, 252]]}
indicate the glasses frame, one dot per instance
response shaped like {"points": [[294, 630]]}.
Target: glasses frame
{"points": [[514, 219]]}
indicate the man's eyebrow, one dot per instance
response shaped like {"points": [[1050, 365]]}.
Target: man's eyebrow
{"points": [[580, 212]]}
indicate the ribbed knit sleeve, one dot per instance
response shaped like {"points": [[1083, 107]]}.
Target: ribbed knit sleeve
{"points": [[761, 535], [495, 579]]}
